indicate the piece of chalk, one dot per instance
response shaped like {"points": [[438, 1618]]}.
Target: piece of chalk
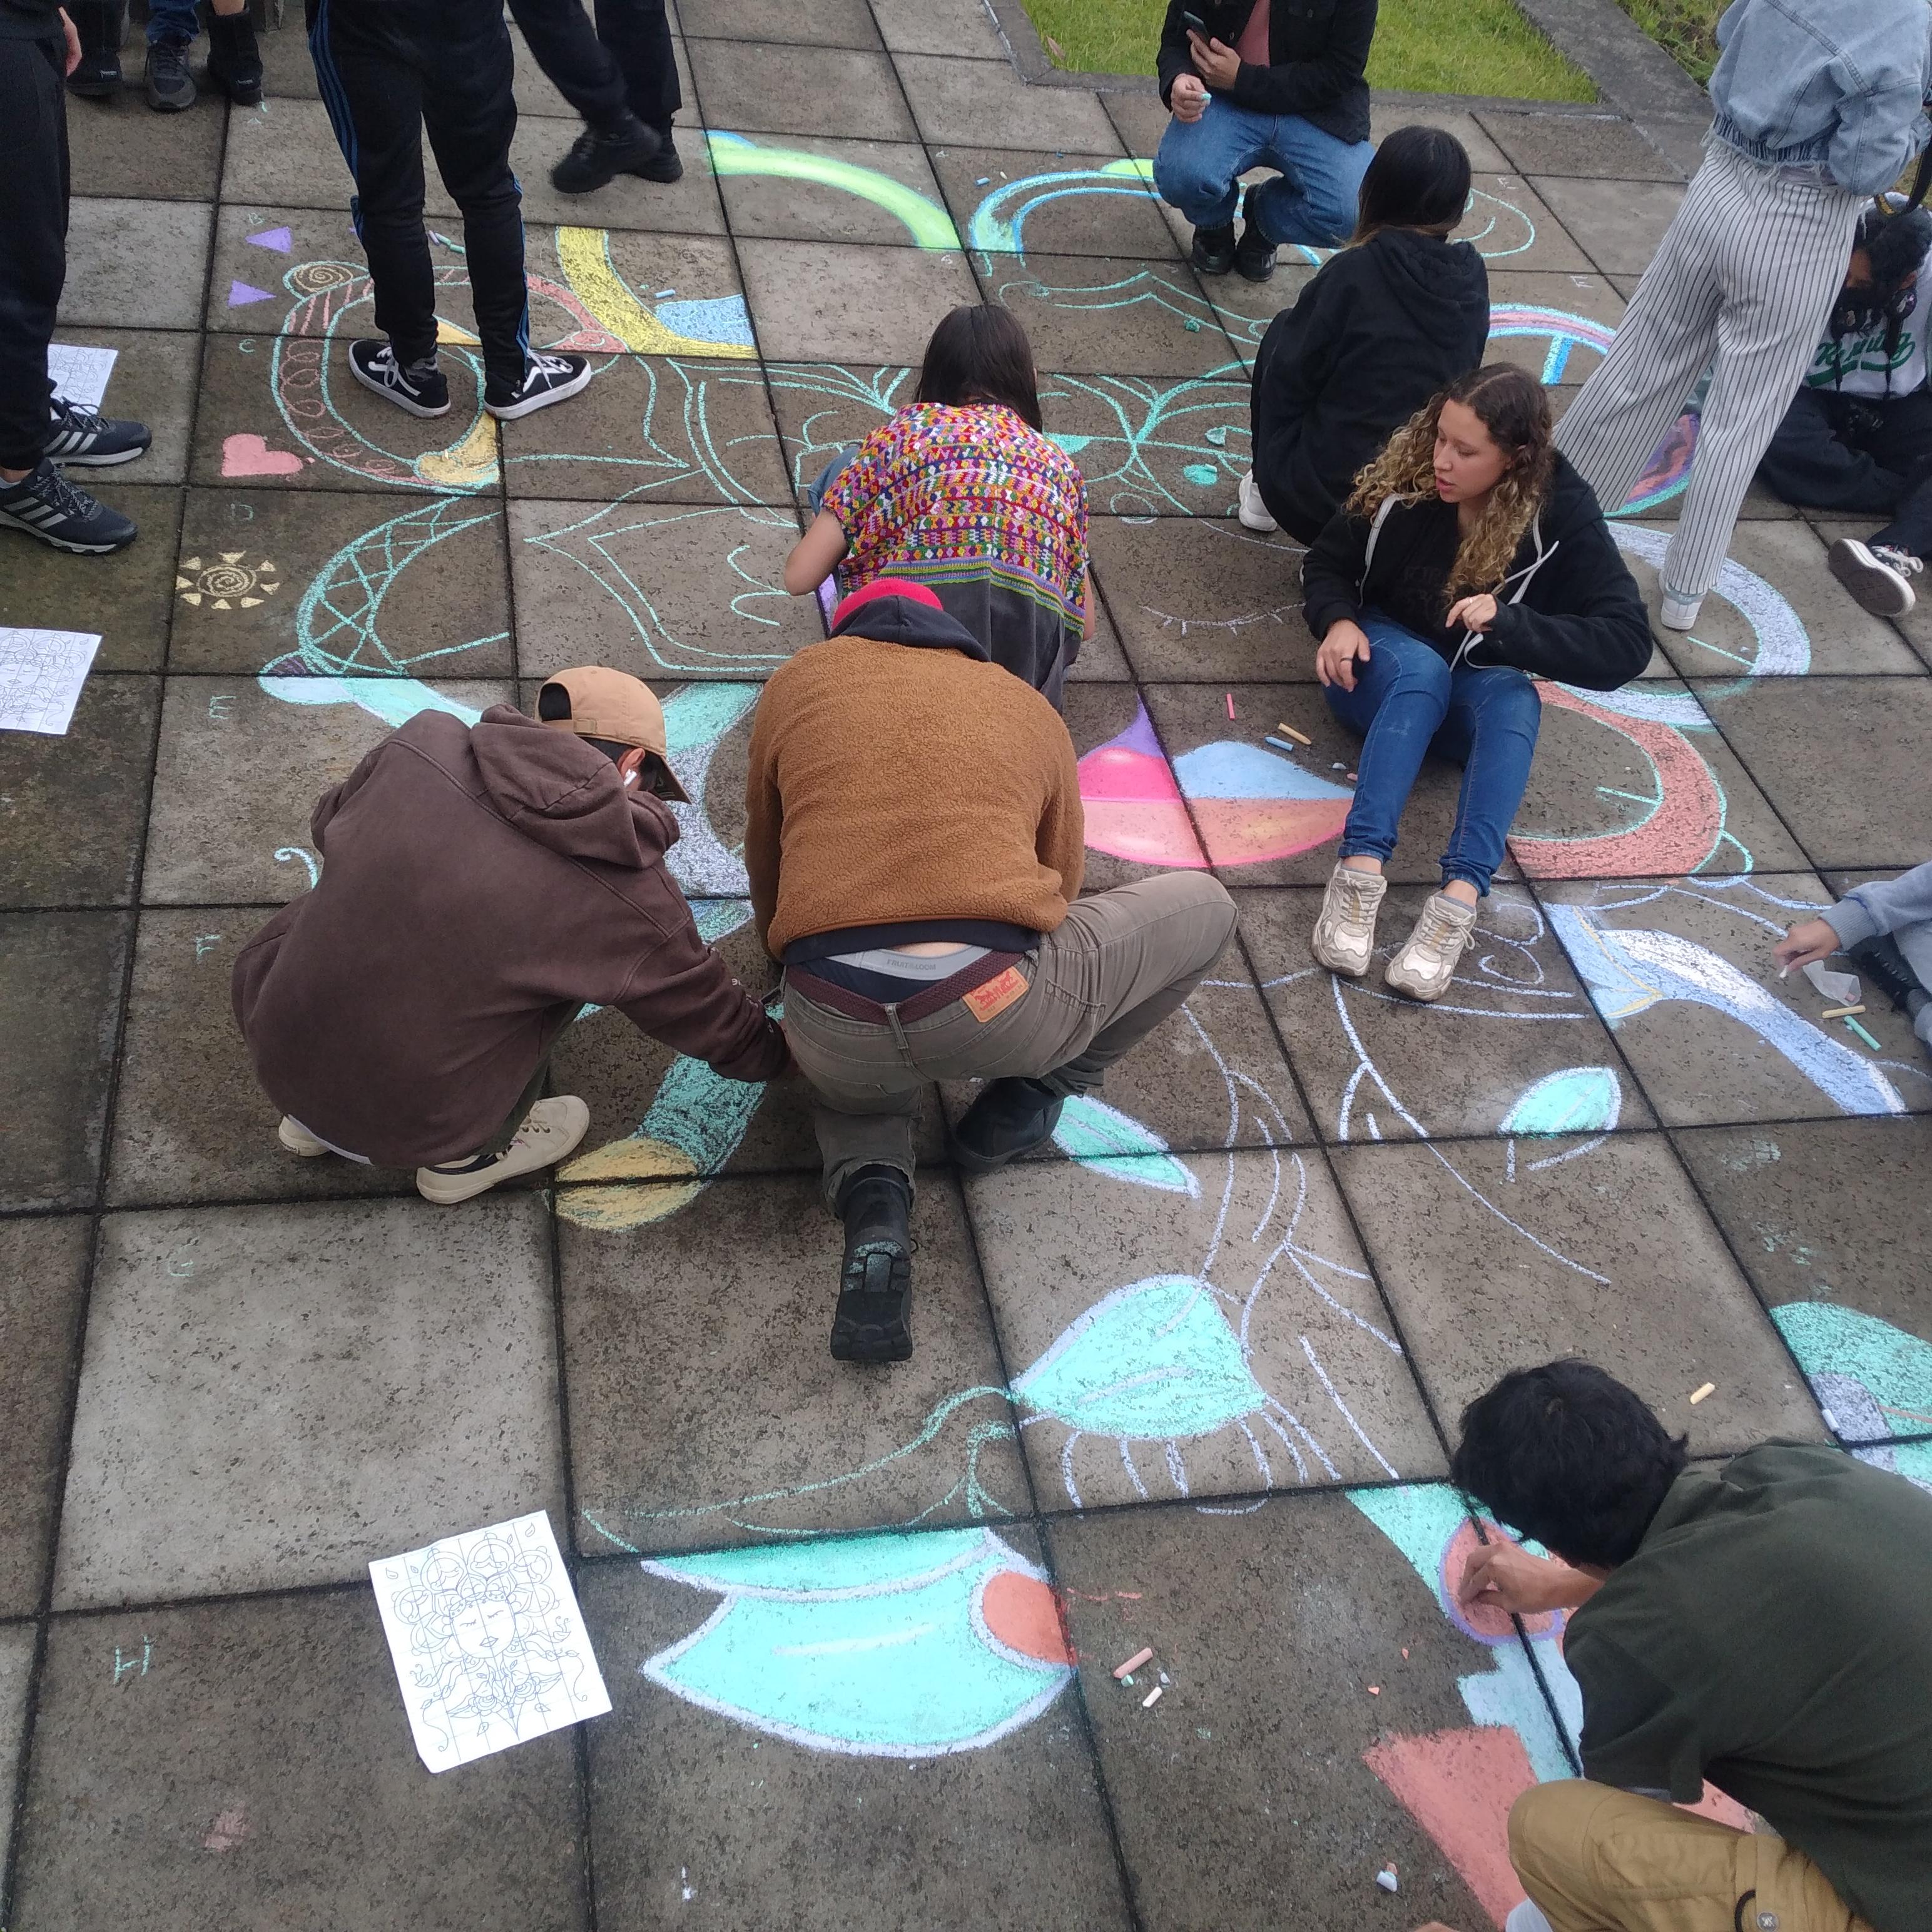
{"points": [[1388, 1880], [1338, 766], [1230, 697], [1852, 1026], [1841, 1012], [1784, 972], [1134, 1663], [1697, 1395], [1404, 1651], [1279, 744], [1375, 1689], [1152, 1698], [1289, 731]]}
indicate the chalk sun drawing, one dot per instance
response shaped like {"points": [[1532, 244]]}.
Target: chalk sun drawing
{"points": [[872, 1646]]}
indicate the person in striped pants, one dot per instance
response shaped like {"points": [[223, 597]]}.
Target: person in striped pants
{"points": [[1815, 111]]}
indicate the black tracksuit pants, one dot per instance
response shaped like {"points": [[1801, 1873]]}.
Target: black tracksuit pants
{"points": [[33, 238], [628, 62], [389, 70], [1866, 455]]}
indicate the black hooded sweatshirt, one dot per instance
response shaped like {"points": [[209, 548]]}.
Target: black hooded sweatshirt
{"points": [[1317, 52], [1568, 610], [1372, 338]]}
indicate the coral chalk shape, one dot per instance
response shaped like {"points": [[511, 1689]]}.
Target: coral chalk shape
{"points": [[930, 226], [584, 255], [1629, 970], [279, 240], [1105, 1140], [245, 295], [1134, 809], [871, 1646], [245, 454], [1572, 1100]]}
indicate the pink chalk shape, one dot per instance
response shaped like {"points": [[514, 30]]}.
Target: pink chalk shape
{"points": [[1459, 1786], [249, 456], [241, 294], [279, 239]]}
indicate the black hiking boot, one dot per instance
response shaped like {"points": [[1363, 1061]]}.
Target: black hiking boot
{"points": [[1010, 1117], [1214, 250], [170, 85], [234, 60], [599, 155], [1254, 259], [874, 1320]]}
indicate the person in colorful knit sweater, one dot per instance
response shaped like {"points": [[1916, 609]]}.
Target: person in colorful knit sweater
{"points": [[961, 492]]}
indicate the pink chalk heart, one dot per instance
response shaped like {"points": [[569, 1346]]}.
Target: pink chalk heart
{"points": [[249, 456]]}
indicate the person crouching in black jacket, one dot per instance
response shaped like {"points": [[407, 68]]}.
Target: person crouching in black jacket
{"points": [[1399, 313], [1470, 555]]}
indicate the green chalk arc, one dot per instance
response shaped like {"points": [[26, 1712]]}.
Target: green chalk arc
{"points": [[927, 224]]}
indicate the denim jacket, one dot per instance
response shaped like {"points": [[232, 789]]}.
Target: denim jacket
{"points": [[1838, 85]]}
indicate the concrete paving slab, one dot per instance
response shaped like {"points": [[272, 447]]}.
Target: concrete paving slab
{"points": [[724, 1803], [265, 269], [121, 146], [962, 27], [822, 408], [1303, 1606], [191, 1125], [1100, 315], [689, 206], [660, 1458], [1244, 308], [1667, 961], [1857, 735], [966, 100], [134, 264], [754, 89], [237, 775], [43, 1279], [1623, 220], [1605, 1256], [655, 428], [1009, 202], [332, 581], [153, 382], [814, 301], [1152, 448], [71, 816], [288, 158], [809, 187], [1916, 626], [288, 71], [16, 1663], [1593, 147], [1555, 326], [271, 1396], [815, 23], [1139, 119], [61, 975], [126, 595], [257, 1760], [636, 584], [1514, 1047], [1513, 227], [1386, 114], [1166, 1343], [1831, 1224]]}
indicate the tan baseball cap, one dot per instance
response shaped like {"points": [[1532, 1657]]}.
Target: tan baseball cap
{"points": [[612, 704]]}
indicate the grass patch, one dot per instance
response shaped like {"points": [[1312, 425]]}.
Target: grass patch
{"points": [[1427, 46], [1686, 30]]}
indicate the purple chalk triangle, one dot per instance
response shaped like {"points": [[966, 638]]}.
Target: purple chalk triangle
{"points": [[279, 239], [241, 294]]}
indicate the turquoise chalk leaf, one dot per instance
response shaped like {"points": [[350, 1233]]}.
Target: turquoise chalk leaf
{"points": [[1156, 1361], [1577, 1100], [1103, 1138]]}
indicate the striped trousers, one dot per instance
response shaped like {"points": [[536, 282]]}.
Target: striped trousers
{"points": [[1745, 273]]}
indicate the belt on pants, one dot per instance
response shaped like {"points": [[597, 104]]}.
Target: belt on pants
{"points": [[922, 1005]]}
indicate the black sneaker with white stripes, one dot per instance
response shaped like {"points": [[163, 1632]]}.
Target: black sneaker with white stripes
{"points": [[45, 505], [547, 379], [420, 388], [78, 436]]}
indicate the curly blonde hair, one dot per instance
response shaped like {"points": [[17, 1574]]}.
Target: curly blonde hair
{"points": [[1510, 404]]}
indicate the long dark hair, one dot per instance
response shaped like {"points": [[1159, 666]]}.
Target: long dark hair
{"points": [[1894, 240], [981, 355], [1513, 406], [1419, 178]]}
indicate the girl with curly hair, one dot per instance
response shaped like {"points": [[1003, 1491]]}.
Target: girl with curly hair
{"points": [[1470, 557]]}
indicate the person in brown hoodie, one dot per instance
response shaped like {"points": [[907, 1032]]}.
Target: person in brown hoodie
{"points": [[915, 841], [480, 885]]}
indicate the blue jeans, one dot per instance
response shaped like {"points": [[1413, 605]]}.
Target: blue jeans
{"points": [[1199, 164], [172, 20], [1407, 701]]}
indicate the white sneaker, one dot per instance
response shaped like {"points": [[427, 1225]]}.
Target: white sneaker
{"points": [[1679, 613], [1253, 511], [1879, 575], [297, 1139], [1344, 938], [1426, 963], [550, 1131]]}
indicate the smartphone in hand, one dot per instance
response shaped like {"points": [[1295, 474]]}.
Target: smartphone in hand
{"points": [[1194, 24]]}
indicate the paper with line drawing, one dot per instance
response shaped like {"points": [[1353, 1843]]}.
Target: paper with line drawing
{"points": [[488, 1643], [41, 672], [79, 372]]}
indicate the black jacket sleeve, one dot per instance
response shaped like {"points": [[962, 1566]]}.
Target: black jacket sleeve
{"points": [[1297, 87], [1591, 629], [1293, 363], [1331, 573]]}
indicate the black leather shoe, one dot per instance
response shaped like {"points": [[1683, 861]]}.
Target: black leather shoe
{"points": [[600, 154], [873, 1322], [234, 60], [1009, 1118], [1254, 259], [1214, 250], [664, 165]]}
